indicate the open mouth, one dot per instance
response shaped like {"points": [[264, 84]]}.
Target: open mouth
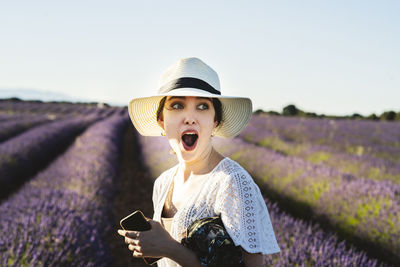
{"points": [[189, 140]]}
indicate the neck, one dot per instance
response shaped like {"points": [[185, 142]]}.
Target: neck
{"points": [[205, 164]]}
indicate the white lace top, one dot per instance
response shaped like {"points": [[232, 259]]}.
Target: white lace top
{"points": [[228, 191]]}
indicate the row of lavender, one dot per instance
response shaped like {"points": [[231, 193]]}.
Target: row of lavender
{"points": [[23, 154], [362, 210], [17, 124], [61, 216], [341, 134], [361, 148], [301, 243]]}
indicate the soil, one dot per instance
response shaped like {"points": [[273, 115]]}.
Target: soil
{"points": [[134, 192]]}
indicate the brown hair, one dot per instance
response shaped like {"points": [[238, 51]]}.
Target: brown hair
{"points": [[215, 101]]}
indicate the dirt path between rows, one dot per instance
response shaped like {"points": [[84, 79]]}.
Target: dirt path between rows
{"points": [[134, 191]]}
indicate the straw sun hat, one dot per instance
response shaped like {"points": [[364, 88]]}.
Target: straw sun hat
{"points": [[190, 77]]}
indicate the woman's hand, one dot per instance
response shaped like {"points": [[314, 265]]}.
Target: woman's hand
{"points": [[152, 243]]}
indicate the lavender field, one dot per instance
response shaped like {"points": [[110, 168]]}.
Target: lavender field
{"points": [[69, 172]]}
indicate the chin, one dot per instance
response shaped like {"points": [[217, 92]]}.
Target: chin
{"points": [[187, 157]]}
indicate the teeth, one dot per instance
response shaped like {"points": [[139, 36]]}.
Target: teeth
{"points": [[190, 133]]}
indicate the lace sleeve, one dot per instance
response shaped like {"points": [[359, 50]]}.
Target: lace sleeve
{"points": [[244, 213]]}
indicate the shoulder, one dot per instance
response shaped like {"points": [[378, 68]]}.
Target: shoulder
{"points": [[233, 172]]}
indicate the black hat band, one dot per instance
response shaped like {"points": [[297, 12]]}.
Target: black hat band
{"points": [[188, 82]]}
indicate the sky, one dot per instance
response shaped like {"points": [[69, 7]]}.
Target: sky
{"points": [[332, 57]]}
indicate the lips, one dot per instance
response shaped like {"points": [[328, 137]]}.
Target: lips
{"points": [[189, 139]]}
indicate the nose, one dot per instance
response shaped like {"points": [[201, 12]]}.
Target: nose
{"points": [[189, 120]]}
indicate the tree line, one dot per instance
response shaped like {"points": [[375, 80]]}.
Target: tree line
{"points": [[292, 110]]}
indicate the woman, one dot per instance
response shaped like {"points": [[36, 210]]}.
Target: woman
{"points": [[189, 109]]}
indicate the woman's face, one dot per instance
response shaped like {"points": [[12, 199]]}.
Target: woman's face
{"points": [[188, 123]]}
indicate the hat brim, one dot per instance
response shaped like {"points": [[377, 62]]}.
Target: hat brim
{"points": [[236, 112]]}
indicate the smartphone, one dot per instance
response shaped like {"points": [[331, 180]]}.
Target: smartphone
{"points": [[137, 222]]}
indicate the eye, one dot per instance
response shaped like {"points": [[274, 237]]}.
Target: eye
{"points": [[176, 105], [203, 106]]}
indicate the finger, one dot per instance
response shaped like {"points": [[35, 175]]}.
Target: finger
{"points": [[135, 248], [131, 241], [137, 254], [121, 232]]}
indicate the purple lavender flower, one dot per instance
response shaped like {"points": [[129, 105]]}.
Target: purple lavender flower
{"points": [[61, 216], [21, 156], [356, 148], [10, 128]]}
